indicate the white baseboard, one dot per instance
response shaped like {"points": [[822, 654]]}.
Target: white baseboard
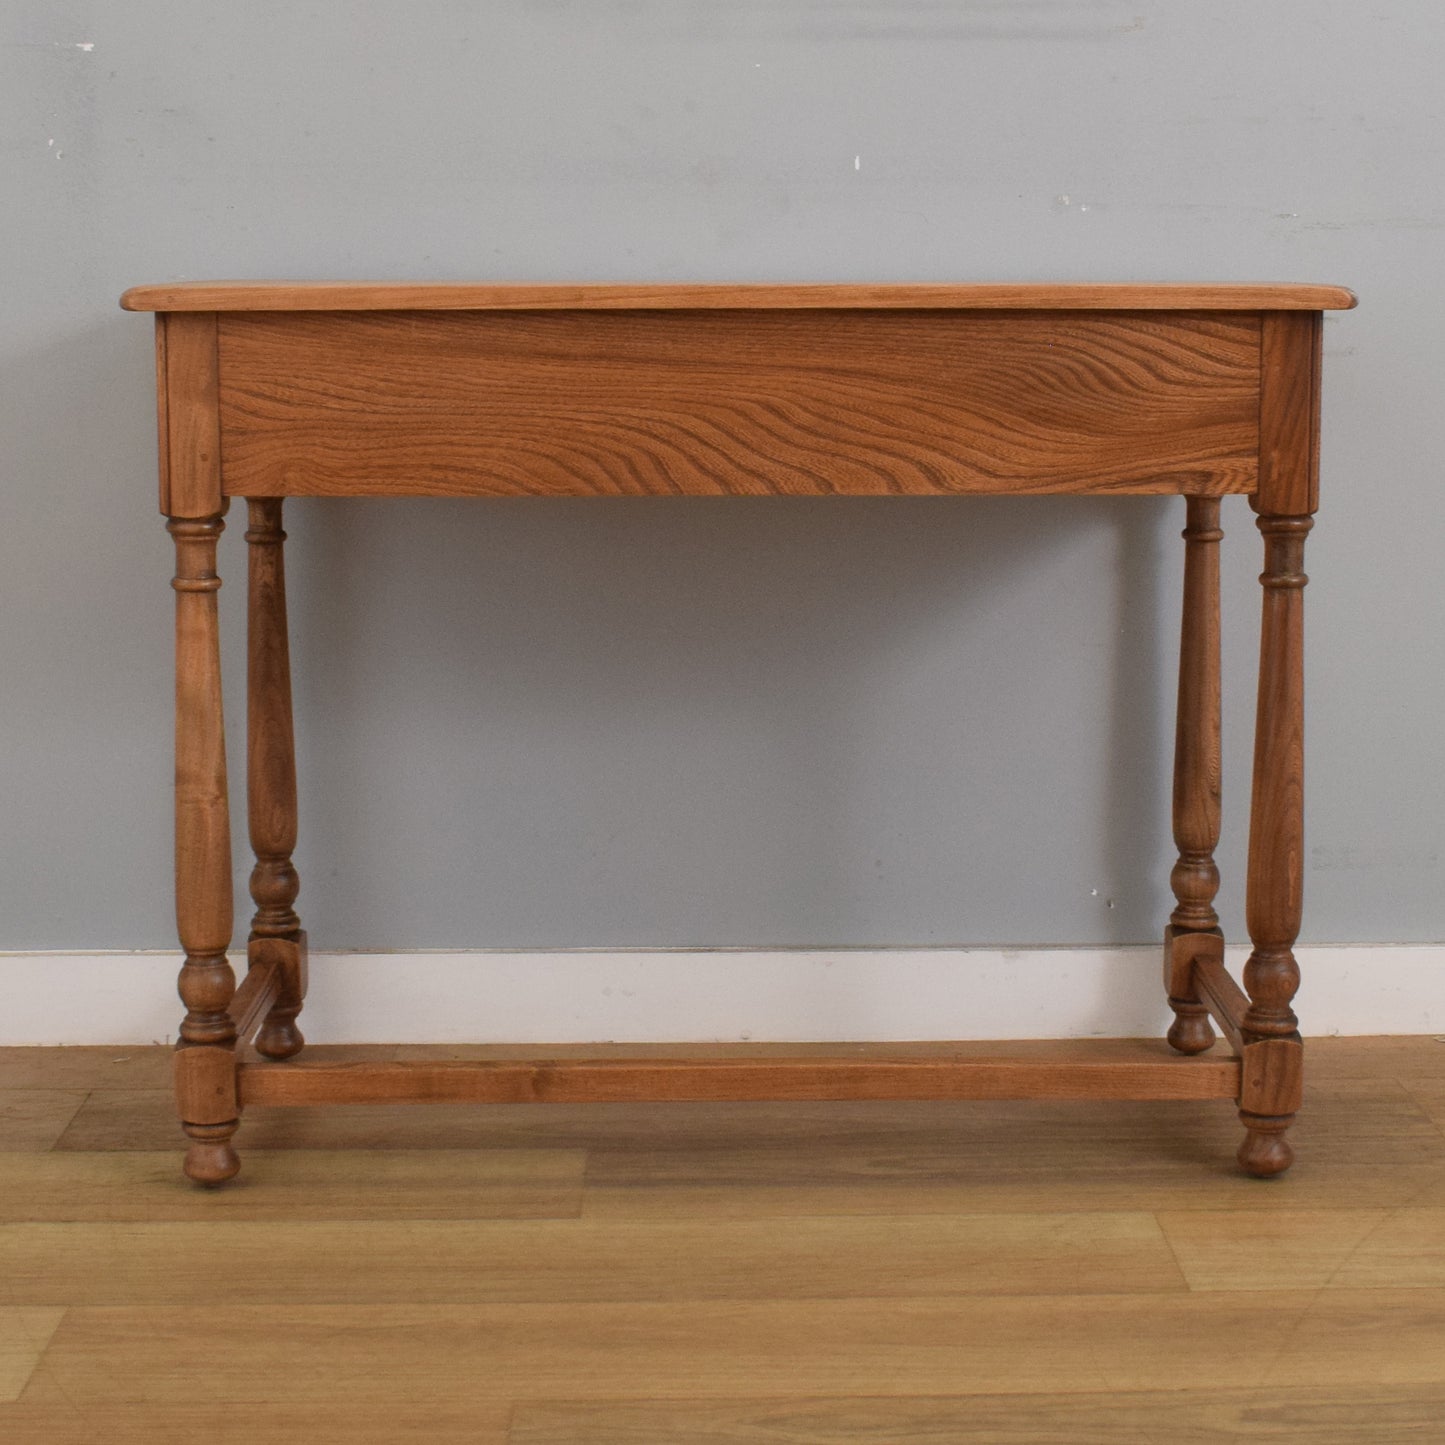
{"points": [[660, 995]]}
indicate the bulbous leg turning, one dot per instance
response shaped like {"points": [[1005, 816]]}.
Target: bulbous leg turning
{"points": [[1265, 1151], [210, 1159], [279, 1037], [1191, 1032]]}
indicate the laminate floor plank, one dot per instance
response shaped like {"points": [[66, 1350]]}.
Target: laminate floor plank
{"points": [[464, 1354], [35, 1119], [1429, 1093], [25, 1331], [45, 1417], [292, 1185], [557, 1261], [1342, 1249], [723, 1274], [118, 1066], [1320, 1415], [1404, 1057], [132, 1066], [1362, 1143]]}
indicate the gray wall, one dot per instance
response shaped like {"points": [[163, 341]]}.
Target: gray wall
{"points": [[734, 722]]}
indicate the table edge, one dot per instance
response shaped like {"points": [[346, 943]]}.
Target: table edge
{"points": [[455, 296]]}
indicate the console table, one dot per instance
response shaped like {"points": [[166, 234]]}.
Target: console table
{"points": [[269, 391]]}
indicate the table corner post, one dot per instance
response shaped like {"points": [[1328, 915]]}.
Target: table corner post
{"points": [[1285, 503], [1194, 925], [195, 508], [271, 778]]}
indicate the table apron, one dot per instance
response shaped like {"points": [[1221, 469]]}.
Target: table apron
{"points": [[767, 403]]}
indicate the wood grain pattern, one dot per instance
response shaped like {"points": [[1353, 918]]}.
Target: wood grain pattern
{"points": [[444, 295], [1289, 414], [1205, 1415], [357, 390], [840, 403], [1224, 998], [813, 1078], [1197, 781], [205, 1084], [1274, 894], [46, 1417], [24, 1333], [271, 779], [1319, 1248], [599, 1260], [426, 1355], [36, 1118], [190, 443], [291, 1185], [253, 998], [1313, 1315]]}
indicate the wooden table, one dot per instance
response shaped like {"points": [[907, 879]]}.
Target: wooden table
{"points": [[270, 391]]}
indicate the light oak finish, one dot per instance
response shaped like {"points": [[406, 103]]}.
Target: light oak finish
{"points": [[706, 403], [205, 1067], [1193, 933], [739, 1078], [1316, 1416], [420, 1356], [49, 1419], [24, 1333], [1222, 997], [906, 1273], [187, 375], [183, 296], [65, 1186], [1325, 1249], [271, 390], [598, 1260], [36, 1118], [276, 937]]}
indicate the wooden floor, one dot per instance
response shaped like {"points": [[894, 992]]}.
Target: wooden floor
{"points": [[815, 1274]]}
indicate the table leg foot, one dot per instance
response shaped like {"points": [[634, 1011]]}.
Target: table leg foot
{"points": [[279, 1037], [1191, 1031], [1265, 1151], [211, 1160]]}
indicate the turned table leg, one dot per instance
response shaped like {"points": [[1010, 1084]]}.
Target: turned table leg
{"points": [[205, 1055], [1271, 1081], [271, 779], [1194, 926], [1272, 1070]]}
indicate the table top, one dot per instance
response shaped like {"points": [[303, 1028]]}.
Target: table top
{"points": [[455, 296]]}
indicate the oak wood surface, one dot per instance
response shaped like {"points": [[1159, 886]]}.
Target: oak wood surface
{"points": [[837, 403], [420, 1355], [817, 391], [1225, 1000], [677, 1079], [253, 998], [1275, 878], [36, 1118], [204, 1071], [1298, 1249], [188, 423], [1320, 1415], [25, 1331], [1289, 414], [614, 1259], [968, 1272], [271, 780], [445, 295], [1197, 781], [119, 1186]]}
